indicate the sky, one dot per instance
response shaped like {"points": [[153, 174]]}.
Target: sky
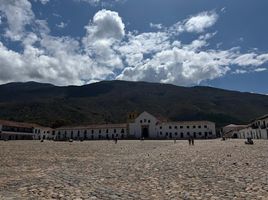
{"points": [[221, 44]]}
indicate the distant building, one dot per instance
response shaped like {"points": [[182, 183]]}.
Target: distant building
{"points": [[257, 129], [138, 126], [10, 130], [144, 125], [232, 130]]}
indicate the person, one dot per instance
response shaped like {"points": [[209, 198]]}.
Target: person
{"points": [[175, 141], [189, 140], [192, 141], [249, 141]]}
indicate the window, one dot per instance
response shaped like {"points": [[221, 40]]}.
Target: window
{"points": [[188, 133], [140, 121], [194, 126], [160, 127], [210, 133], [100, 131], [200, 133], [145, 120], [122, 130], [107, 131], [176, 127], [92, 131], [205, 126], [181, 135], [188, 127], [199, 126], [114, 130], [149, 121], [160, 133], [181, 127], [176, 133], [170, 127], [166, 133]]}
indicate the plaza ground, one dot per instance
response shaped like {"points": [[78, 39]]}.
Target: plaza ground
{"points": [[212, 169]]}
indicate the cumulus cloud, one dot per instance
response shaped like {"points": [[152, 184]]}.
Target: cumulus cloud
{"points": [[18, 15], [106, 25], [105, 31], [200, 22], [108, 51]]}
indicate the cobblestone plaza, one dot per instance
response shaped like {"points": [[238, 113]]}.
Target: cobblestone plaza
{"points": [[211, 169]]}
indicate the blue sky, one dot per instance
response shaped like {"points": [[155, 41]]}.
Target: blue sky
{"points": [[183, 42]]}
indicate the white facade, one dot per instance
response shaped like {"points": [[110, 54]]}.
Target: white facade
{"points": [[258, 129], [144, 125], [147, 126], [10, 130], [93, 132]]}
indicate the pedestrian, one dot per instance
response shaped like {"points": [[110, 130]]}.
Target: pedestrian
{"points": [[189, 140], [192, 141]]}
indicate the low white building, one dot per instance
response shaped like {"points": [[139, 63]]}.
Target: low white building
{"points": [[148, 126], [92, 132], [139, 126], [10, 130], [232, 130], [257, 129]]}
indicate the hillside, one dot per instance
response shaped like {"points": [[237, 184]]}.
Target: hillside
{"points": [[110, 101]]}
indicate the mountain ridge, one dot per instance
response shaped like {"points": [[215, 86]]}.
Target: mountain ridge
{"points": [[110, 101]]}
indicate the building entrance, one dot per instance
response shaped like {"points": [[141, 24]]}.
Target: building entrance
{"points": [[145, 132]]}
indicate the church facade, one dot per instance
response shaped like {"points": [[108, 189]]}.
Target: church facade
{"points": [[138, 126]]}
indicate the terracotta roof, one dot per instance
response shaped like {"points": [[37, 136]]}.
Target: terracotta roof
{"points": [[262, 117], [17, 124], [94, 126], [187, 122], [235, 126]]}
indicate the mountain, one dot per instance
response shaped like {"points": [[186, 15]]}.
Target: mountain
{"points": [[110, 101]]}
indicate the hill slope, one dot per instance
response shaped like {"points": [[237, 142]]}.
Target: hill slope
{"points": [[110, 101]]}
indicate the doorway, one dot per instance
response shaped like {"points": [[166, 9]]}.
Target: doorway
{"points": [[145, 132]]}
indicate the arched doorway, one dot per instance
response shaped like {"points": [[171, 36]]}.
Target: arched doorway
{"points": [[145, 131]]}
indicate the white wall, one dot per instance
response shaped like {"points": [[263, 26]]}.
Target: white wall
{"points": [[143, 120], [182, 130]]}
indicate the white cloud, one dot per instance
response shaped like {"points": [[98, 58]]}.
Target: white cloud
{"points": [[200, 22], [108, 51], [157, 26], [106, 25], [251, 59], [260, 69], [101, 2], [18, 15], [61, 25], [44, 1], [103, 33]]}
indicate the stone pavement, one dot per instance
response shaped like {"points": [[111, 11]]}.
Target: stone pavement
{"points": [[211, 169]]}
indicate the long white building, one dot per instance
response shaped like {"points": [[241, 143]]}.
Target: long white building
{"points": [[139, 126], [257, 129], [144, 125]]}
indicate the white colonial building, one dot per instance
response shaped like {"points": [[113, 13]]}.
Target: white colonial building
{"points": [[10, 130], [139, 126], [92, 132], [257, 129], [147, 126]]}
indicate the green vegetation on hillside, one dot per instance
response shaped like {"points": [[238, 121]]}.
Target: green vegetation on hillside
{"points": [[110, 101]]}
